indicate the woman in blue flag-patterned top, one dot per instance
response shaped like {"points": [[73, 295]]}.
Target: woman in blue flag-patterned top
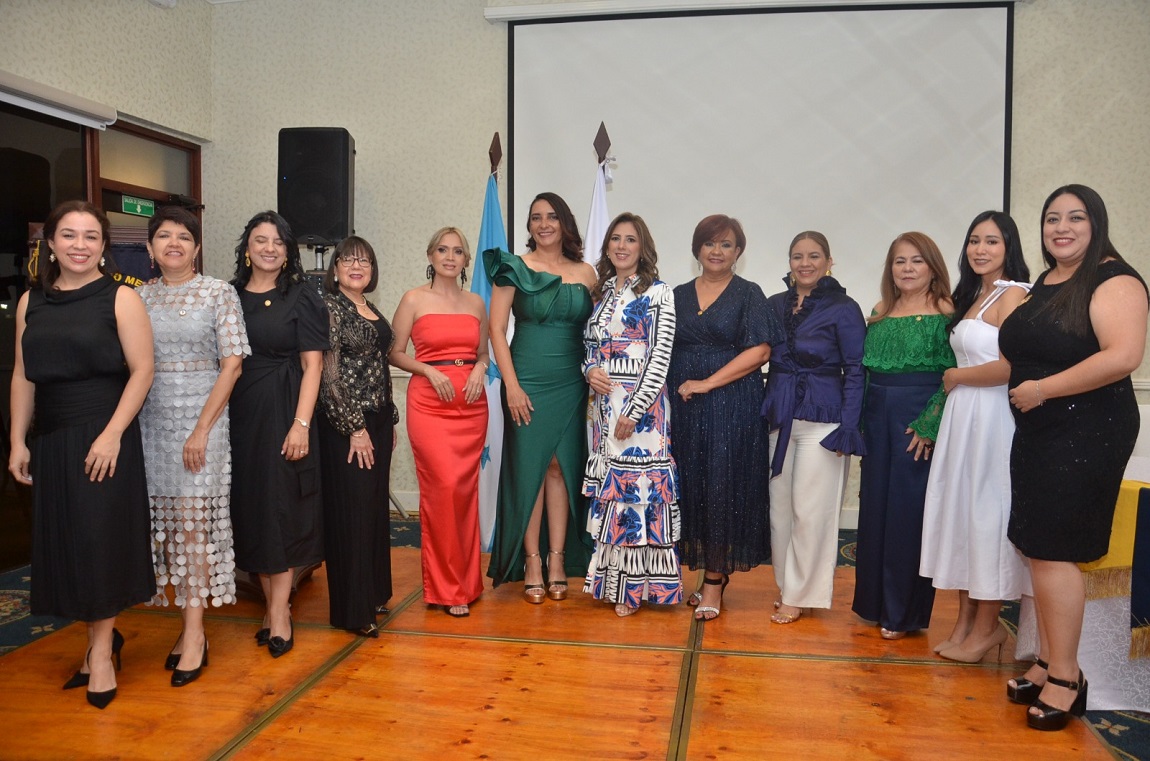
{"points": [[630, 473]]}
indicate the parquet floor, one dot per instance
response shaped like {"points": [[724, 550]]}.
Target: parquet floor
{"points": [[564, 680]]}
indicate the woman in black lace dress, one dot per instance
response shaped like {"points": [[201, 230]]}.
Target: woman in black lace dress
{"points": [[1072, 345]]}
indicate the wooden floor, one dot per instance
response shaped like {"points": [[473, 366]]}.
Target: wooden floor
{"points": [[564, 680]]}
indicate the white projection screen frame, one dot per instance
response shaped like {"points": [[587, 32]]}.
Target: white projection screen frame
{"points": [[860, 123]]}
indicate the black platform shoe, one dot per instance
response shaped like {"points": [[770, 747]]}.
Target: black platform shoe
{"points": [[1053, 719], [1024, 691]]}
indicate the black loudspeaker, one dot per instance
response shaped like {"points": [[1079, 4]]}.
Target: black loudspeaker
{"points": [[317, 183]]}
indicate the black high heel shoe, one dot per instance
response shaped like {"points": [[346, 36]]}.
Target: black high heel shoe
{"points": [[173, 659], [1053, 719], [80, 679], [102, 699], [1024, 691], [181, 677], [371, 631], [278, 646], [262, 636]]}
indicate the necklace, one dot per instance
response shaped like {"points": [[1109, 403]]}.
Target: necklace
{"points": [[357, 303]]}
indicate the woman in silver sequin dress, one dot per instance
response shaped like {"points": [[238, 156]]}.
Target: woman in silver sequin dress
{"points": [[200, 342]]}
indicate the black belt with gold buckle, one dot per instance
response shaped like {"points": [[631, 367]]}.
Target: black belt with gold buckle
{"points": [[456, 362]]}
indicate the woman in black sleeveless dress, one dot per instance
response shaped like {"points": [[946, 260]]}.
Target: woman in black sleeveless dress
{"points": [[1072, 344], [83, 369]]}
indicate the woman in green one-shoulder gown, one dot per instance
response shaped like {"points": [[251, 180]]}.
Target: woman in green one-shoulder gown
{"points": [[541, 512]]}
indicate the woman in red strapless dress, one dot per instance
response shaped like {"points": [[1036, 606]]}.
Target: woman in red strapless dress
{"points": [[446, 418]]}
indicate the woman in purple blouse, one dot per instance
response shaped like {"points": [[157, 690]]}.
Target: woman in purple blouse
{"points": [[814, 399]]}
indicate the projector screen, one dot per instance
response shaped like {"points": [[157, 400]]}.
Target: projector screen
{"points": [[859, 123]]}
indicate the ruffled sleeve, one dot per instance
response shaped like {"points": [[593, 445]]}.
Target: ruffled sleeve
{"points": [[926, 424], [508, 269]]}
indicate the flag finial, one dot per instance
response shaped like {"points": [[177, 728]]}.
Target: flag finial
{"points": [[495, 153], [602, 142]]}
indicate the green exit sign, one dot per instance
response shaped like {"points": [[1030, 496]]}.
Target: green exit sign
{"points": [[141, 207]]}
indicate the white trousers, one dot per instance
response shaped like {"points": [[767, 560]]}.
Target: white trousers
{"points": [[806, 499]]}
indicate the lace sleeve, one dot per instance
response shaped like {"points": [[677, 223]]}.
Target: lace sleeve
{"points": [[926, 424], [342, 412]]}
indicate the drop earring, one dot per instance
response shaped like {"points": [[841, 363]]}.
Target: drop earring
{"points": [[52, 257], [247, 259], [336, 278], [792, 279], [430, 272], [828, 273], [103, 262], [463, 278]]}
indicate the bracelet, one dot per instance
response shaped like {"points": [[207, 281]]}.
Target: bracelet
{"points": [[302, 422], [485, 365], [359, 434], [1038, 391]]}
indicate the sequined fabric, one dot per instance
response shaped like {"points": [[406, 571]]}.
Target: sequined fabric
{"points": [[1068, 454], [194, 324]]}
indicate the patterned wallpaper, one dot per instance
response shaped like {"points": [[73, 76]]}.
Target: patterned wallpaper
{"points": [[151, 64], [422, 85]]}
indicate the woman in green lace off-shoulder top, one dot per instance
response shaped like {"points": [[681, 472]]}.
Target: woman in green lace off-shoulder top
{"points": [[905, 354]]}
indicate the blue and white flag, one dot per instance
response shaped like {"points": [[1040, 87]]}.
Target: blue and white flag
{"points": [[492, 234], [599, 217]]}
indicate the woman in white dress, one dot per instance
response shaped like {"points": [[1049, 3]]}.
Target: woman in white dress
{"points": [[964, 544]]}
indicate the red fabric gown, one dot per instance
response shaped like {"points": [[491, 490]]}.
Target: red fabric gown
{"points": [[447, 440]]}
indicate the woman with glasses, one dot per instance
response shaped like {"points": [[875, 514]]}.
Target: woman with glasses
{"points": [[356, 438], [446, 418]]}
